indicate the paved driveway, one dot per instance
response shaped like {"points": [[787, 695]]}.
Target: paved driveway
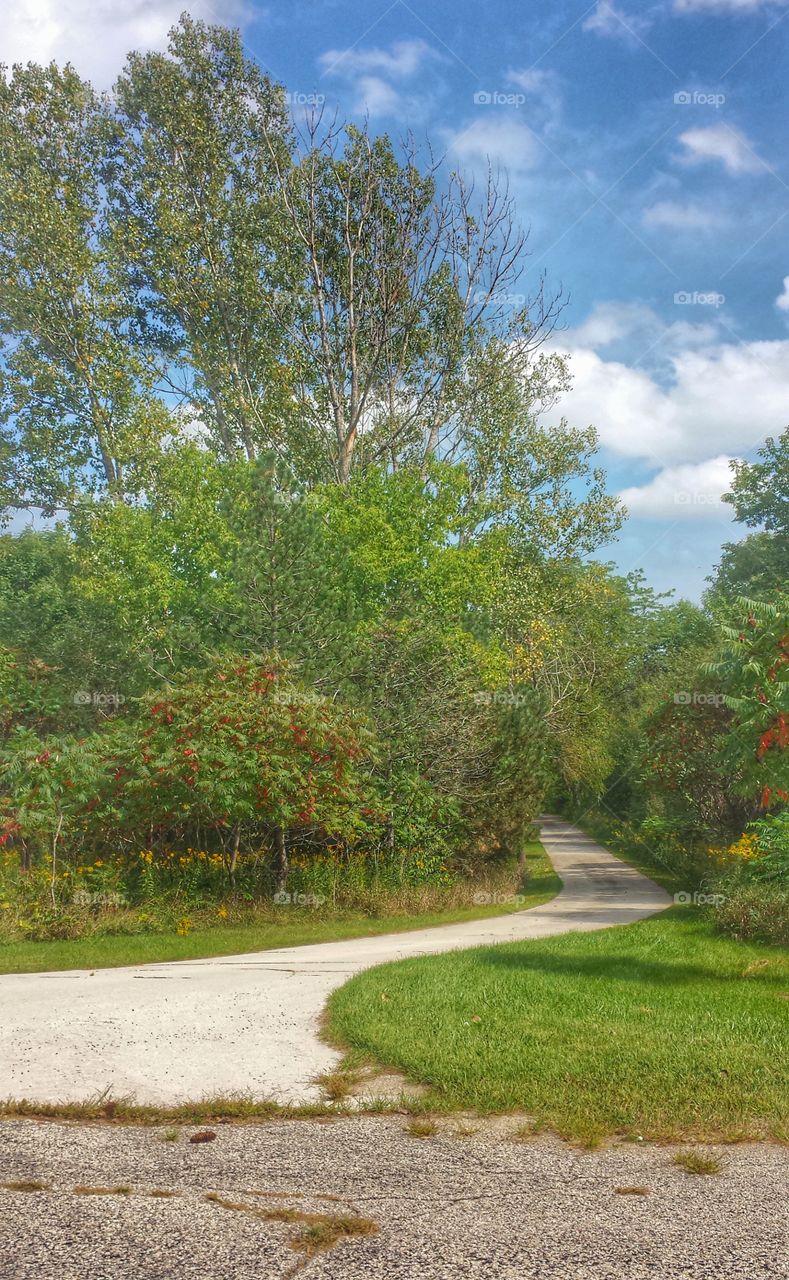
{"points": [[169, 1032], [458, 1206]]}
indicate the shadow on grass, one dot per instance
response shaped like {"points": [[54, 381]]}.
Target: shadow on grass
{"points": [[621, 968]]}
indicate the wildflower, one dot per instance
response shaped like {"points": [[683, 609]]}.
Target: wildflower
{"points": [[184, 927], [222, 913]]}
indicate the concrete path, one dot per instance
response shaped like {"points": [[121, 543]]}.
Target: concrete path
{"points": [[187, 1030]]}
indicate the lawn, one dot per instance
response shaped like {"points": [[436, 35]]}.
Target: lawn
{"points": [[290, 927], [661, 1029]]}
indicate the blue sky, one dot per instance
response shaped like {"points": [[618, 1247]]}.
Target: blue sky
{"points": [[646, 150]]}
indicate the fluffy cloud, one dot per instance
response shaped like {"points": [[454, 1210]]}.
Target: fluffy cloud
{"points": [[708, 396], [96, 35], [500, 139], [782, 301], [370, 73], [720, 142], [682, 217], [402, 59], [691, 491], [541, 86], [724, 6], [608, 20]]}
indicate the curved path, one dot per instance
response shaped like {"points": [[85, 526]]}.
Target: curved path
{"points": [[194, 1028]]}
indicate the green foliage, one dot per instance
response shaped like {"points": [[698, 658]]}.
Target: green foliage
{"points": [[239, 749], [758, 566], [74, 390], [268, 383], [204, 243], [753, 669]]}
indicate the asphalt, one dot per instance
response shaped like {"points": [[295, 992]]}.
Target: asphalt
{"points": [[165, 1033], [455, 1206]]}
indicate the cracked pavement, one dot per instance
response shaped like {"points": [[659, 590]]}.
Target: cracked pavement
{"points": [[481, 1205]]}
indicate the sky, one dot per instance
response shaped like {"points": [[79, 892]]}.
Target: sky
{"points": [[645, 146]]}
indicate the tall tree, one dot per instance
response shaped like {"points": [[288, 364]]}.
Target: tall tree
{"points": [[75, 396], [408, 275], [759, 565], [195, 195]]}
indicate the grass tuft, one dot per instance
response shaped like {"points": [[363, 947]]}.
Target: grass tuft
{"points": [[695, 1162], [422, 1128], [24, 1184]]}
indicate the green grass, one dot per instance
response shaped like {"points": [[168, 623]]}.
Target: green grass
{"points": [[653, 1030], [105, 951]]}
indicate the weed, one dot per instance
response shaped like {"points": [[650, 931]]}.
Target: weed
{"points": [[695, 1162], [421, 1128]]}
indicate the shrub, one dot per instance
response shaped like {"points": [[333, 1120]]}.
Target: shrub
{"points": [[754, 912]]}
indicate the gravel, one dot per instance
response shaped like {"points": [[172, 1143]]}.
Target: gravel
{"points": [[479, 1206]]}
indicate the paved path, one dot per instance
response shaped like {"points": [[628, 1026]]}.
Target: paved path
{"points": [[170, 1032], [463, 1205]]}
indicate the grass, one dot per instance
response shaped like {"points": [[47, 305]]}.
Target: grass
{"points": [[24, 1184], [695, 1162], [105, 951], [662, 1029], [316, 1233], [421, 1128]]}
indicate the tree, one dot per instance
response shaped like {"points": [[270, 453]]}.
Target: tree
{"points": [[240, 753], [404, 284], [753, 668], [285, 584], [195, 197], [759, 565], [75, 394]]}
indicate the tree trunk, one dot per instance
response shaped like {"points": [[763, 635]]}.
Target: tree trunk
{"points": [[281, 861], [234, 857]]}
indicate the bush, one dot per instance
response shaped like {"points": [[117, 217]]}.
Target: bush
{"points": [[754, 912]]}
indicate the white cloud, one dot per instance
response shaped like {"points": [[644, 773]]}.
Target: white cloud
{"points": [[544, 86], [703, 396], [690, 491], [401, 60], [636, 323], [370, 72], [720, 142], [608, 20], [782, 301], [724, 6], [682, 217], [96, 35], [501, 139], [376, 97]]}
